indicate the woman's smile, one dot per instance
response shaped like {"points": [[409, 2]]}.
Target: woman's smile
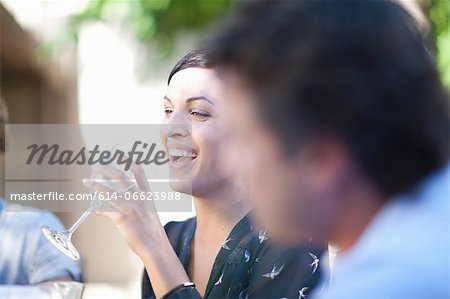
{"points": [[181, 155]]}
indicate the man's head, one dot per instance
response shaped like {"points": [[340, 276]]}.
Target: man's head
{"points": [[326, 95]]}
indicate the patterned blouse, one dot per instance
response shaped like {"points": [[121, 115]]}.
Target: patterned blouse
{"points": [[247, 265]]}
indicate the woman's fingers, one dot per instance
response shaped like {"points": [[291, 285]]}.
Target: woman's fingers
{"points": [[115, 177], [140, 176], [125, 195], [92, 184], [144, 196], [111, 201]]}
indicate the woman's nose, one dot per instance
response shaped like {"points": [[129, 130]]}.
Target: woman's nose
{"points": [[175, 125], [173, 130]]}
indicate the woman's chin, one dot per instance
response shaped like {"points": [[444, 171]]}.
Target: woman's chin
{"points": [[181, 185]]}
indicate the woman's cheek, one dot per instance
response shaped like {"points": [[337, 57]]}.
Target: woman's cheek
{"points": [[208, 141]]}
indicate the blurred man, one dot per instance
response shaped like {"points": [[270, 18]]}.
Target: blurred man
{"points": [[26, 257], [339, 122]]}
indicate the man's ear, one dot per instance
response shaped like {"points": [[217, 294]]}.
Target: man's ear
{"points": [[324, 162]]}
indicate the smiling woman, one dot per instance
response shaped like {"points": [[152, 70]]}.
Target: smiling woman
{"points": [[219, 253]]}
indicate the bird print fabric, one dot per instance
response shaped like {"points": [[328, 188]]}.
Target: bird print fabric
{"points": [[274, 272], [248, 265]]}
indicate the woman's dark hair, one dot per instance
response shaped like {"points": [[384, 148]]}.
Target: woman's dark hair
{"points": [[193, 59], [355, 70]]}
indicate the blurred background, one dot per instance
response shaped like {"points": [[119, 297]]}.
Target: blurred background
{"points": [[107, 62]]}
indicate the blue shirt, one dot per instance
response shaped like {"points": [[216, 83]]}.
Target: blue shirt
{"points": [[26, 257], [405, 251]]}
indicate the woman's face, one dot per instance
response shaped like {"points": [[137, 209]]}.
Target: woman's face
{"points": [[193, 131]]}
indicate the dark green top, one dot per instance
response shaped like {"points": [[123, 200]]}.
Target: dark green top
{"points": [[247, 266]]}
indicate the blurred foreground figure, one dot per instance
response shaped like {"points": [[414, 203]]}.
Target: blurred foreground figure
{"points": [[340, 126], [26, 257]]}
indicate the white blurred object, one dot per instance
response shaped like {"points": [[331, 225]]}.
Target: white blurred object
{"points": [[23, 292], [109, 91], [108, 291], [55, 290], [66, 290]]}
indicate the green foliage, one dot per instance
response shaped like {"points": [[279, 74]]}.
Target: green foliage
{"points": [[152, 21], [92, 12], [157, 22], [440, 18]]}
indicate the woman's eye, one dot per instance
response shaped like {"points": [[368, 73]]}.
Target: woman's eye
{"points": [[199, 114], [167, 111]]}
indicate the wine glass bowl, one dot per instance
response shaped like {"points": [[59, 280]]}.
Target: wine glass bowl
{"points": [[61, 240]]}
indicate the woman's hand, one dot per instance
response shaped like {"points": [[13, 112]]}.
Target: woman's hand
{"points": [[137, 221], [139, 225]]}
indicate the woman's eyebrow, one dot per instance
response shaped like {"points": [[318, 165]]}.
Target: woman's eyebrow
{"points": [[191, 99], [166, 98], [200, 98]]}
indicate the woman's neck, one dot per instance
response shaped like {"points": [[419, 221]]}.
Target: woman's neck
{"points": [[218, 214]]}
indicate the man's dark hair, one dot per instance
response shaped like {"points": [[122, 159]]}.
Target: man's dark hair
{"points": [[194, 58], [354, 70]]}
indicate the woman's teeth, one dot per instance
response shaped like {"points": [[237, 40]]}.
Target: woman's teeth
{"points": [[178, 154]]}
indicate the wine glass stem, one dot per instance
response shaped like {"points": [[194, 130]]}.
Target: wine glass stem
{"points": [[80, 220]]}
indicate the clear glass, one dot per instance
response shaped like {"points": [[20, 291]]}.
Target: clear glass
{"points": [[62, 289], [62, 239]]}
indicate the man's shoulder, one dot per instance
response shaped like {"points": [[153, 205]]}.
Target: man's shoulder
{"points": [[28, 212], [405, 249], [20, 216]]}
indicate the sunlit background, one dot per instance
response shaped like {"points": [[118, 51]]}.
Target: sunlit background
{"points": [[106, 62]]}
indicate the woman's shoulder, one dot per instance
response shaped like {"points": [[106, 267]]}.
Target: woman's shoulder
{"points": [[180, 225], [178, 231]]}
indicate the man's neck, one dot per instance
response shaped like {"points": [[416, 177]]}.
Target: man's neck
{"points": [[360, 204]]}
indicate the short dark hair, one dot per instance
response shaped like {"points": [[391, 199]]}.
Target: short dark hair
{"points": [[355, 70], [192, 59]]}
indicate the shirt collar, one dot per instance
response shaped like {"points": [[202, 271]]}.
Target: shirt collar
{"points": [[424, 193]]}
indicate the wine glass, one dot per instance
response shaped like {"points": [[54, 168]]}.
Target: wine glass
{"points": [[62, 239]]}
